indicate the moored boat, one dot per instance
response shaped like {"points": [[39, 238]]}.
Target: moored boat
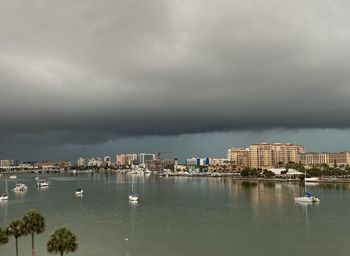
{"points": [[5, 196], [20, 187], [307, 197], [79, 192], [42, 183], [133, 197], [312, 179]]}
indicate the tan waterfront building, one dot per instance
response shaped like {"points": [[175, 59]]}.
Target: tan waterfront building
{"points": [[267, 155], [316, 159], [238, 157]]}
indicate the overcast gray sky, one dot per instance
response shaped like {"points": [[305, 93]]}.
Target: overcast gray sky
{"points": [[191, 77]]}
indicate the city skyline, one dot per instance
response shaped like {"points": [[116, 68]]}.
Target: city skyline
{"points": [[216, 149], [163, 76], [272, 153]]}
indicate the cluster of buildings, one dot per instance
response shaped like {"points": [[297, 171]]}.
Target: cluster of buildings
{"points": [[134, 159], [262, 156], [9, 164], [95, 162], [271, 155], [151, 161]]}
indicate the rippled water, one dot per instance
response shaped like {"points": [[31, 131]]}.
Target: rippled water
{"points": [[183, 216]]}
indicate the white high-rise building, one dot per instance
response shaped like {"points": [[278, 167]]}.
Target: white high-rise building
{"points": [[81, 162], [143, 158]]}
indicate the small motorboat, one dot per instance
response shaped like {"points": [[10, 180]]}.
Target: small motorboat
{"points": [[13, 177]]}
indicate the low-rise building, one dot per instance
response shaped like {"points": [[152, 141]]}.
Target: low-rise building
{"points": [[313, 159], [6, 163]]}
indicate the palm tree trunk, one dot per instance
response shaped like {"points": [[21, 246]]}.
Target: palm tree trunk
{"points": [[16, 246], [33, 251]]}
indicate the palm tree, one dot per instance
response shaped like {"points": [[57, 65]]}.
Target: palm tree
{"points": [[34, 223], [62, 241], [16, 229], [3, 237]]}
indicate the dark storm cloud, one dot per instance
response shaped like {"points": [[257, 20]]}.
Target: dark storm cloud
{"points": [[85, 72]]}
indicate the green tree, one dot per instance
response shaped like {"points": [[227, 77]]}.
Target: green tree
{"points": [[62, 241], [16, 229], [245, 172], [3, 237], [34, 223], [269, 174]]}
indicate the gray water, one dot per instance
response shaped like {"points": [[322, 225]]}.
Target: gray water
{"points": [[183, 216]]}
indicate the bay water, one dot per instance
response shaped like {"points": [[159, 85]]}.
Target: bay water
{"points": [[182, 216]]}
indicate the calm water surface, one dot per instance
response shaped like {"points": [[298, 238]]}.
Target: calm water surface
{"points": [[183, 216]]}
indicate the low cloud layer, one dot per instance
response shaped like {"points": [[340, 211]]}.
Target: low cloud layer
{"points": [[87, 72]]}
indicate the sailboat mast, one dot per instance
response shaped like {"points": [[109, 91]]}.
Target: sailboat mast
{"points": [[305, 181], [7, 190], [132, 184]]}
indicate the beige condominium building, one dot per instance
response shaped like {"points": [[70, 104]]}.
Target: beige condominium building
{"points": [[316, 159], [238, 157], [266, 155]]}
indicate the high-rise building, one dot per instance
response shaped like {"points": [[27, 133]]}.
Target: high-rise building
{"points": [[131, 159], [285, 153], [238, 157], [265, 155], [120, 159], [81, 162], [198, 161], [143, 158], [95, 162], [126, 159]]}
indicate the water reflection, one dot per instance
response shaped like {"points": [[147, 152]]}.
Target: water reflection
{"points": [[4, 209], [20, 194]]}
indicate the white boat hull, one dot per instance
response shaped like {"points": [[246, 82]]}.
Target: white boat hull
{"points": [[42, 183], [4, 198], [306, 199], [20, 189], [79, 193], [312, 179], [133, 198]]}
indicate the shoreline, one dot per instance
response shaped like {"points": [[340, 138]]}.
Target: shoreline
{"points": [[233, 176]]}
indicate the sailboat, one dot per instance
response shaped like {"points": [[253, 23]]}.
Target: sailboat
{"points": [[79, 192], [307, 198], [133, 197], [5, 196]]}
